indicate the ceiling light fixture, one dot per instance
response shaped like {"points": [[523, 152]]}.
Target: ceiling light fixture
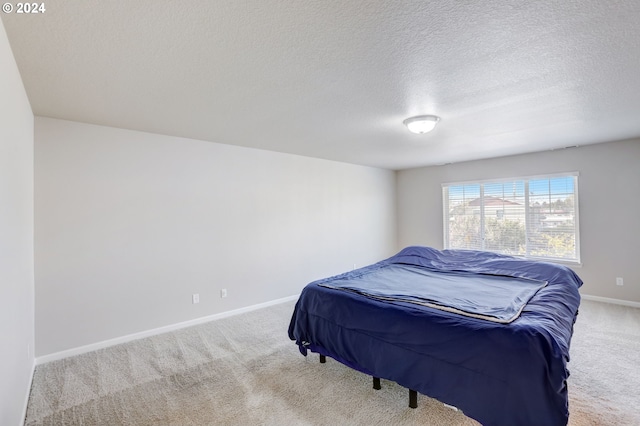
{"points": [[421, 123]]}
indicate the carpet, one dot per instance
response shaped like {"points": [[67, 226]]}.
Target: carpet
{"points": [[244, 370]]}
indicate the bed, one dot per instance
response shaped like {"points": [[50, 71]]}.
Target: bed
{"points": [[499, 366]]}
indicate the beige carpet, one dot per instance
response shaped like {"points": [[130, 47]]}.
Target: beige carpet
{"points": [[244, 370]]}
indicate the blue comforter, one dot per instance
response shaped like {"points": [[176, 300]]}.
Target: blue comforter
{"points": [[499, 374], [490, 297]]}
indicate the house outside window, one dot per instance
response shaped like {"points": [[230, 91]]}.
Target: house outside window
{"points": [[535, 217]]}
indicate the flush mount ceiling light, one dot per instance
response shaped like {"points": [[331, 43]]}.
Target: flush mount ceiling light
{"points": [[421, 123]]}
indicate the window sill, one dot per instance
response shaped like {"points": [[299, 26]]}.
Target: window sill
{"points": [[572, 263]]}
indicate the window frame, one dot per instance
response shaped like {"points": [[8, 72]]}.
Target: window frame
{"points": [[526, 179]]}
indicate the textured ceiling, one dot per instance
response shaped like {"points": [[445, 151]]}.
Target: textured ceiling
{"points": [[334, 79]]}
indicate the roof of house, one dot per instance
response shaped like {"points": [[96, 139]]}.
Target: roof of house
{"points": [[493, 202]]}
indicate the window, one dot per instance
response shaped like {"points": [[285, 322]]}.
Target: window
{"points": [[532, 217]]}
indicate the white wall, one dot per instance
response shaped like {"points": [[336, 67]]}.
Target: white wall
{"points": [[609, 202], [129, 225], [16, 239]]}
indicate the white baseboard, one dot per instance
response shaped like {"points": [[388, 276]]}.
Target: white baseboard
{"points": [[26, 398], [118, 340], [608, 300]]}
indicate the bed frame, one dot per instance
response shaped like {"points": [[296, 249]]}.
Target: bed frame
{"points": [[413, 395]]}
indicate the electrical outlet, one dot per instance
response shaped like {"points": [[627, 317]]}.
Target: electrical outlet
{"points": [[223, 293], [619, 281], [195, 298]]}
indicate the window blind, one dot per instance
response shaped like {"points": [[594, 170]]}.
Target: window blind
{"points": [[531, 217]]}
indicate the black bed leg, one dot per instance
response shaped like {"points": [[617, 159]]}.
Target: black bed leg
{"points": [[323, 359], [413, 399], [376, 383]]}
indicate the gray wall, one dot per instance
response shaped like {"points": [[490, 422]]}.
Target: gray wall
{"points": [[609, 202], [16, 239], [129, 225]]}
